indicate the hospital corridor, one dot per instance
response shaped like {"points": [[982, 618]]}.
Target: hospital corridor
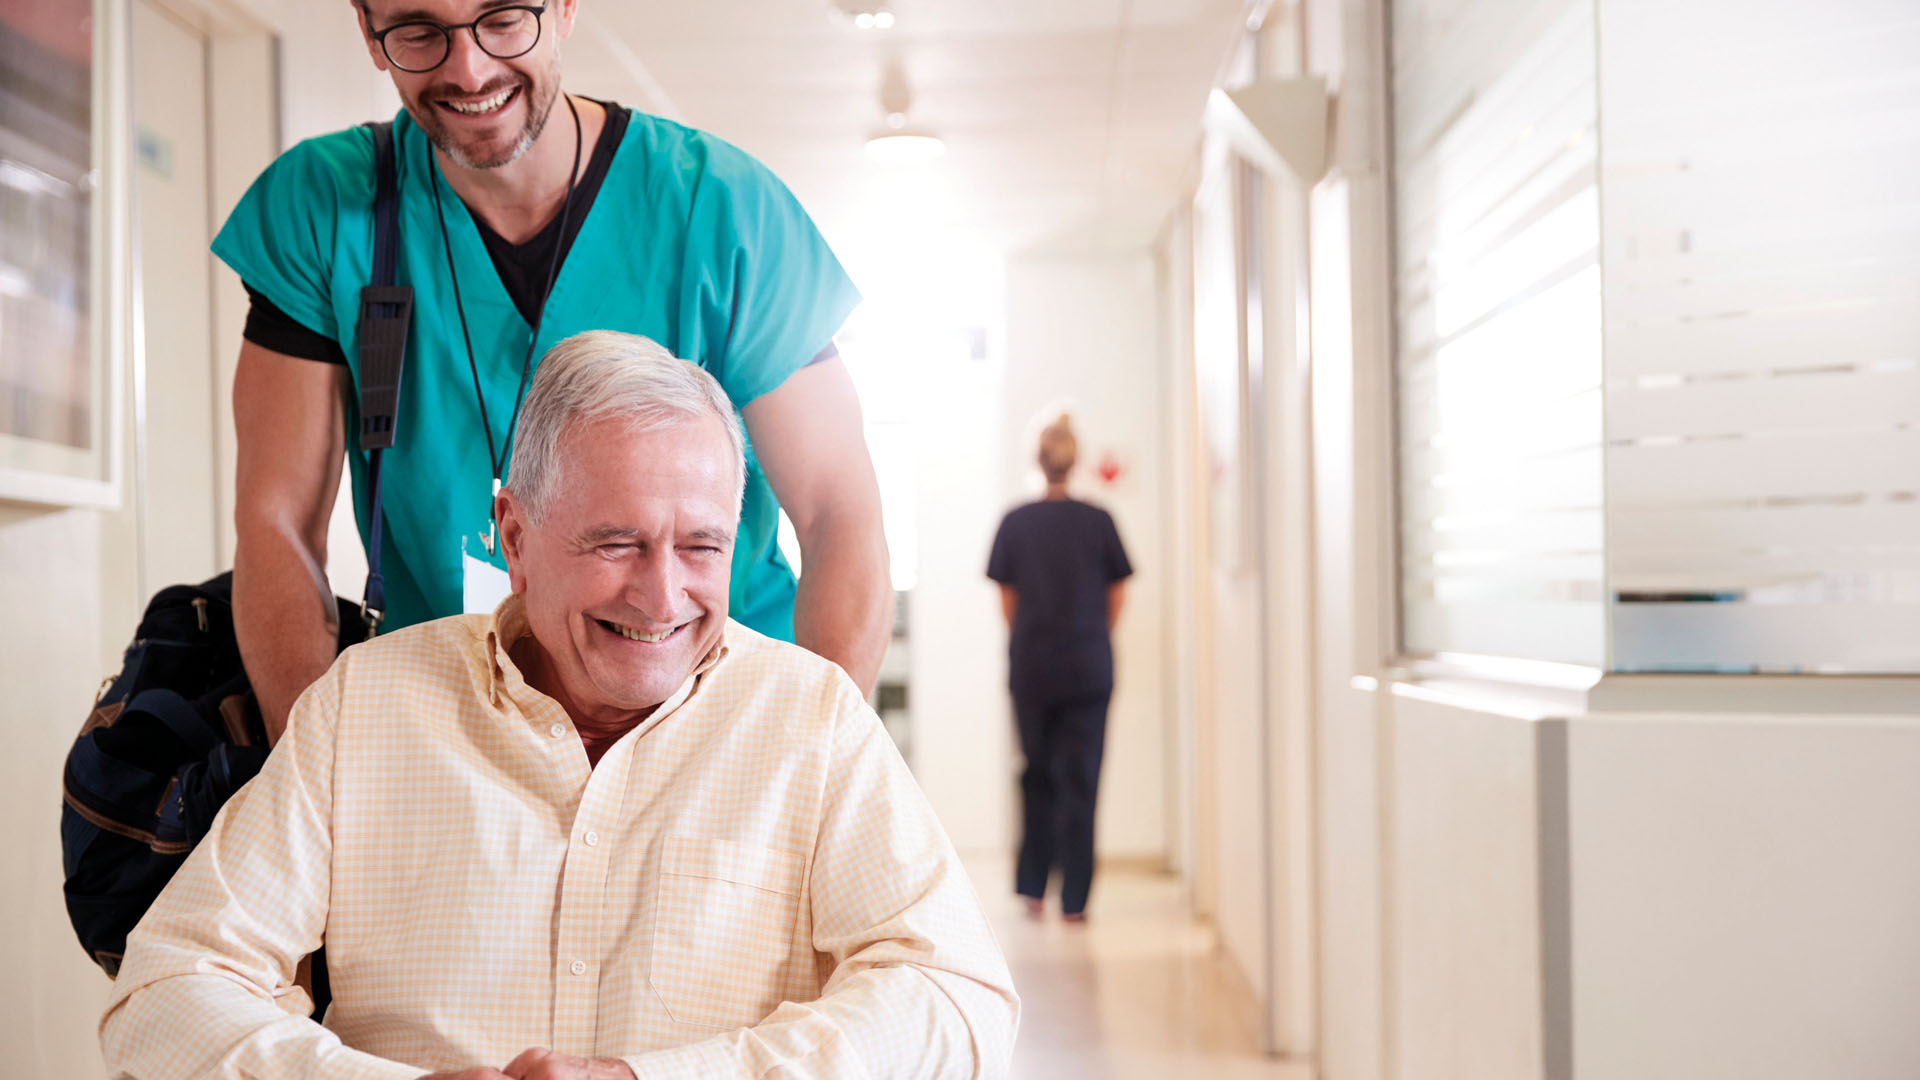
{"points": [[1051, 539]]}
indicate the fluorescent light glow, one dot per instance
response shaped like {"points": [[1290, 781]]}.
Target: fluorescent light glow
{"points": [[902, 149]]}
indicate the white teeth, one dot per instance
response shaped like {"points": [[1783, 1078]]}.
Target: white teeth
{"points": [[635, 635], [477, 107]]}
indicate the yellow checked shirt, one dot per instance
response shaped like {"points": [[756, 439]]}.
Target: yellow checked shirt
{"points": [[748, 885]]}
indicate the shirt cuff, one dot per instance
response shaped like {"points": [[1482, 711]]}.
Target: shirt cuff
{"points": [[703, 1060], [346, 1063]]}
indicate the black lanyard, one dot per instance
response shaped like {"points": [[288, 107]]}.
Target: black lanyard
{"points": [[498, 460]]}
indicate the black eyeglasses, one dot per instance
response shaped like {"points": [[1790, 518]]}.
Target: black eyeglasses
{"points": [[502, 33]]}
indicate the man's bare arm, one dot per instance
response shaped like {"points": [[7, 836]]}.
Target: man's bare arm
{"points": [[288, 417], [808, 437], [1116, 597], [1009, 602]]}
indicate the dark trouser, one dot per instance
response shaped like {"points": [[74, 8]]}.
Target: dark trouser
{"points": [[1062, 739]]}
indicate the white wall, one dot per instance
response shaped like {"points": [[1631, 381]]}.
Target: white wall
{"points": [[52, 657], [248, 126], [1744, 897], [1180, 534], [1464, 906], [1235, 778], [961, 739], [1687, 896], [1351, 938]]}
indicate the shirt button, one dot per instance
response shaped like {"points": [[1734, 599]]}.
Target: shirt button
{"points": [[592, 838], [578, 967], [557, 730]]}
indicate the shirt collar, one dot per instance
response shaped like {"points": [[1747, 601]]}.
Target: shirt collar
{"points": [[509, 624]]}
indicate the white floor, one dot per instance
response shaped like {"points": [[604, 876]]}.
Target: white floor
{"points": [[1138, 993]]}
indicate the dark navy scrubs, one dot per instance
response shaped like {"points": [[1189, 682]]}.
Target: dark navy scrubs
{"points": [[1060, 556]]}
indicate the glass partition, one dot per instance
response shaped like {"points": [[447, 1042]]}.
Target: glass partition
{"points": [[1761, 193]]}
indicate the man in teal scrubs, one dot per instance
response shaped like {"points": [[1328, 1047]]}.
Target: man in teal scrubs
{"points": [[528, 215]]}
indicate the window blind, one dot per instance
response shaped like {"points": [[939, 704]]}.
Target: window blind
{"points": [[1498, 319]]}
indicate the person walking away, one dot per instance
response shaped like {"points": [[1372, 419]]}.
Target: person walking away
{"points": [[1061, 569]]}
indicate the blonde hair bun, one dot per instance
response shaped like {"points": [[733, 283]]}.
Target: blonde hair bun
{"points": [[1058, 448]]}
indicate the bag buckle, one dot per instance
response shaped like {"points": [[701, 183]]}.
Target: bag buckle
{"points": [[386, 311]]}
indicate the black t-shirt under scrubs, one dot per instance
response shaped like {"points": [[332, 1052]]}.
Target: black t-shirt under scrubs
{"points": [[1060, 556]]}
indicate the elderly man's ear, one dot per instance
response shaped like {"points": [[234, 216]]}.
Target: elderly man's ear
{"points": [[513, 534]]}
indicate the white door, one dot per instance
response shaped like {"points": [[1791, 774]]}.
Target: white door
{"points": [[175, 411]]}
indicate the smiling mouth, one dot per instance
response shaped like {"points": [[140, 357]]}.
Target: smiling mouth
{"points": [[631, 634], [484, 106]]}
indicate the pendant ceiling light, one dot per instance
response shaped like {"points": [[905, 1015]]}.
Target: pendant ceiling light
{"points": [[899, 143], [905, 148]]}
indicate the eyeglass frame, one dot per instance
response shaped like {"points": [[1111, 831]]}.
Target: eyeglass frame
{"points": [[447, 30]]}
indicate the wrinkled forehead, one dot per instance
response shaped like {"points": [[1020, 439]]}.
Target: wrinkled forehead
{"points": [[688, 459]]}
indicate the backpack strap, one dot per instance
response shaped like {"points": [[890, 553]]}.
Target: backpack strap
{"points": [[181, 716], [386, 311]]}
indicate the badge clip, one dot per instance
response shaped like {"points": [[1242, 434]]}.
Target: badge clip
{"points": [[492, 520]]}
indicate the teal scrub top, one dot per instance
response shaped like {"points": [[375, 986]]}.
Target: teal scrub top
{"points": [[690, 242]]}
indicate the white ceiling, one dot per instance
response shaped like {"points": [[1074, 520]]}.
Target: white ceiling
{"points": [[1064, 119]]}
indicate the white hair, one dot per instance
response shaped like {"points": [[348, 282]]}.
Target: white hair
{"points": [[608, 375]]}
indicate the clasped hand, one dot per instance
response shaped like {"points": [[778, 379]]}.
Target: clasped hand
{"points": [[540, 1063]]}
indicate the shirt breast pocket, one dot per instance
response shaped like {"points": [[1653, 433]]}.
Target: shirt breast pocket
{"points": [[723, 931]]}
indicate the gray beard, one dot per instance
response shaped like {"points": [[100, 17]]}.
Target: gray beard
{"points": [[536, 123]]}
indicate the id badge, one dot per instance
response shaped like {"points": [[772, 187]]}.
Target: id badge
{"points": [[483, 585]]}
